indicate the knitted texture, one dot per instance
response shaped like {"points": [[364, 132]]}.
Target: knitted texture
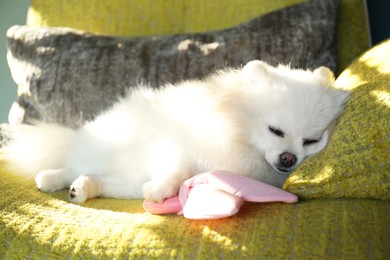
{"points": [[164, 17], [148, 17], [356, 162], [352, 32], [36, 225]]}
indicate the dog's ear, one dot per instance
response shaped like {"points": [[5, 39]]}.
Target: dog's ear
{"points": [[256, 71], [340, 96], [324, 73]]}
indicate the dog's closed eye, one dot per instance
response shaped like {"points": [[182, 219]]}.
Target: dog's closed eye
{"points": [[310, 141], [276, 131]]}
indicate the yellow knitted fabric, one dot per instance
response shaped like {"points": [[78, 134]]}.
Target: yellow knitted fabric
{"points": [[36, 225], [162, 17], [356, 163], [352, 32], [148, 17]]}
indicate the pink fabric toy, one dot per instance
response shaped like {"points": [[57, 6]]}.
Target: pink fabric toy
{"points": [[217, 194]]}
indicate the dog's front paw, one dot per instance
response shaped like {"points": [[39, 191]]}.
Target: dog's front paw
{"points": [[158, 191]]}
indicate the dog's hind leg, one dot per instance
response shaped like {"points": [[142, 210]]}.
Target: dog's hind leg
{"points": [[84, 188], [53, 180], [112, 186]]}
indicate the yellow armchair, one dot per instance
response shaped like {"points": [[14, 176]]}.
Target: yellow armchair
{"points": [[344, 212]]}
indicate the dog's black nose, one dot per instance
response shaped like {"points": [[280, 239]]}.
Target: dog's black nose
{"points": [[287, 159]]}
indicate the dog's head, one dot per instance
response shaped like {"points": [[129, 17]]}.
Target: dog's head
{"points": [[294, 111]]}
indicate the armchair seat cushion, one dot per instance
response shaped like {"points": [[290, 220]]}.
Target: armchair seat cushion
{"points": [[46, 226]]}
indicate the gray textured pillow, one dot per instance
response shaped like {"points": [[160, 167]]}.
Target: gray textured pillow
{"points": [[69, 76]]}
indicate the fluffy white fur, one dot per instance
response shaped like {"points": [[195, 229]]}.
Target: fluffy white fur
{"points": [[259, 121]]}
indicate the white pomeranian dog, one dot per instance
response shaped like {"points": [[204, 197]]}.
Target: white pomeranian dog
{"points": [[259, 121]]}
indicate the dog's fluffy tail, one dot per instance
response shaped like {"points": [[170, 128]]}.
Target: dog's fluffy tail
{"points": [[28, 149]]}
